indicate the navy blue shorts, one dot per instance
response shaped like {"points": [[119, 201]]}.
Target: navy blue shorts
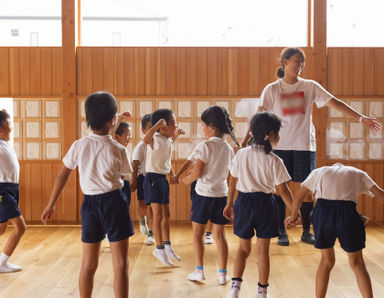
{"points": [[333, 219], [156, 188], [106, 213], [192, 190], [127, 191], [298, 163], [208, 208], [140, 187], [9, 201], [255, 211]]}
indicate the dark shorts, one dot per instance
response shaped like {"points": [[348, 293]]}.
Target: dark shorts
{"points": [[140, 188], [255, 211], [106, 213], [156, 188], [298, 163], [192, 190], [127, 191], [333, 219], [9, 201], [208, 208]]}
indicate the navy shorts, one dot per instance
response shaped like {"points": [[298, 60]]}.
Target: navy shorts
{"points": [[127, 191], [156, 188], [106, 213], [208, 208], [192, 190], [140, 187], [255, 211], [9, 193], [298, 163], [333, 219]]}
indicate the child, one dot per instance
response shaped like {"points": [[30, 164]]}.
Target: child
{"points": [[257, 173], [138, 163], [9, 195], [159, 139], [211, 169], [102, 162], [336, 189]]}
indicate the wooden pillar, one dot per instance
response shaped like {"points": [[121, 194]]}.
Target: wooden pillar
{"points": [[69, 103], [320, 75]]}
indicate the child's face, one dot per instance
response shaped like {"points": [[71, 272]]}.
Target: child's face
{"points": [[147, 127], [294, 65], [171, 128], [5, 131], [124, 138]]}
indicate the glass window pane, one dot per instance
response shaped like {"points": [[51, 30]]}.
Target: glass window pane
{"points": [[194, 23], [30, 23], [355, 23]]}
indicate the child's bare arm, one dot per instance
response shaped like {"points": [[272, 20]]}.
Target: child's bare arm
{"points": [[297, 201], [285, 193], [195, 173], [135, 167], [148, 138], [378, 192], [61, 181], [177, 133], [228, 210], [175, 179]]}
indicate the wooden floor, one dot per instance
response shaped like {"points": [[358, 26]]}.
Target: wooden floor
{"points": [[51, 260]]}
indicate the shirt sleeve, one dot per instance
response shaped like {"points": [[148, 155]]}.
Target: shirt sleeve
{"points": [[70, 159], [138, 152], [266, 98], [281, 172], [312, 180], [321, 96], [234, 165], [126, 167], [201, 152], [192, 156], [366, 183]]}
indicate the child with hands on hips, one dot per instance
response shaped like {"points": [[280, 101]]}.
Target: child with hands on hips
{"points": [[256, 172], [336, 190]]}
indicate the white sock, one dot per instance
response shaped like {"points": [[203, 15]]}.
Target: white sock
{"points": [[3, 259]]}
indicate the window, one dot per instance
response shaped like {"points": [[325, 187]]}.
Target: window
{"points": [[30, 23], [355, 23], [194, 23]]}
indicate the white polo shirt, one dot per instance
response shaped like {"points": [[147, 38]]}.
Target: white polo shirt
{"points": [[140, 154], [257, 171], [102, 162], [338, 182], [129, 176], [9, 165], [158, 159], [293, 104], [216, 154]]}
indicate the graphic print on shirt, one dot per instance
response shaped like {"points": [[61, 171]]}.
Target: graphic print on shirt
{"points": [[292, 103]]}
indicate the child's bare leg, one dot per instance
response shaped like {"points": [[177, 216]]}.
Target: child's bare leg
{"points": [[262, 252], [157, 222], [89, 263], [241, 257], [19, 229], [149, 217], [119, 251], [356, 261], [322, 276], [198, 246], [209, 227], [3, 227], [165, 223], [141, 209], [222, 245]]}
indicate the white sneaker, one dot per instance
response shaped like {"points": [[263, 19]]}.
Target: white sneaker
{"points": [[197, 275], [262, 293], [234, 293], [171, 252], [149, 239], [162, 257], [208, 239], [143, 226], [223, 279], [8, 267]]}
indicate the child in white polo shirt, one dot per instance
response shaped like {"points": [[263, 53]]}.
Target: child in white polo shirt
{"points": [[159, 141], [256, 172], [102, 162], [211, 172], [336, 189], [9, 195]]}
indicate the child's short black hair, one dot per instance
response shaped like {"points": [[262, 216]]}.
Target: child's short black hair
{"points": [[3, 117], [161, 114], [146, 118], [100, 107], [261, 125], [123, 126]]}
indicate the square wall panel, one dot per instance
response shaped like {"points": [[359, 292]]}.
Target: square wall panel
{"points": [[183, 150], [165, 105], [335, 113], [199, 130], [376, 109], [52, 150], [127, 106], [52, 109], [32, 150], [336, 131], [336, 151], [16, 106], [32, 109], [356, 130], [18, 149], [373, 134], [82, 108], [146, 107], [356, 151], [241, 129], [184, 109], [357, 105], [224, 104], [201, 107], [186, 126], [375, 151], [17, 129], [32, 129], [52, 130]]}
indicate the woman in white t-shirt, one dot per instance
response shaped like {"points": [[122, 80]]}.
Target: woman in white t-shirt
{"points": [[291, 98]]}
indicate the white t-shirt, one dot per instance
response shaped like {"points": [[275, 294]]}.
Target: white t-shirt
{"points": [[257, 171], [293, 104], [102, 162], [216, 154], [9, 165], [129, 176], [140, 153], [338, 182], [158, 159]]}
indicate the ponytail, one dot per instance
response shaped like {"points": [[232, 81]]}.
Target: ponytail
{"points": [[280, 72], [228, 123]]}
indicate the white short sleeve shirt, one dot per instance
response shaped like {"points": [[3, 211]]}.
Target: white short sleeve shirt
{"points": [[9, 165], [158, 158], [140, 154]]}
